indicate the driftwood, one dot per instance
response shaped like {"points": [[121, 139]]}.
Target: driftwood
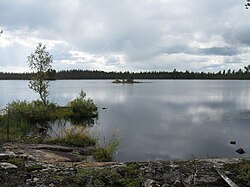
{"points": [[225, 178]]}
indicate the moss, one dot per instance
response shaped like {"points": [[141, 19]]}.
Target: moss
{"points": [[187, 166], [94, 177], [34, 167], [128, 176], [240, 172], [15, 160], [131, 170]]}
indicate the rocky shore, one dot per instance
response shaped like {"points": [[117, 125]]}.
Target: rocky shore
{"points": [[51, 165]]}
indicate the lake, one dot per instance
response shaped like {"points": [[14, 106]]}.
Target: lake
{"points": [[160, 119]]}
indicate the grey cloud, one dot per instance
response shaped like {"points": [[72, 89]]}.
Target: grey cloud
{"points": [[222, 51], [142, 31]]}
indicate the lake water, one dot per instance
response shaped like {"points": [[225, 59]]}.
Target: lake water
{"points": [[160, 119]]}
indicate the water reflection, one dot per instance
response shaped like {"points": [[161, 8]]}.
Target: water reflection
{"points": [[163, 119]]}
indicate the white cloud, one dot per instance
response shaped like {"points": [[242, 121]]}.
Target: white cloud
{"points": [[127, 35]]}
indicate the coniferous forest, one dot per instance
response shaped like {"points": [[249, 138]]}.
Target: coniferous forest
{"points": [[241, 74]]}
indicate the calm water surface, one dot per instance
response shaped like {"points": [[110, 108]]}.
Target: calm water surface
{"points": [[163, 119]]}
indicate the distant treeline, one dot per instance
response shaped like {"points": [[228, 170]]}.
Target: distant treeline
{"points": [[87, 74]]}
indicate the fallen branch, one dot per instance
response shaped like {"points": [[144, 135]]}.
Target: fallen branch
{"points": [[225, 178]]}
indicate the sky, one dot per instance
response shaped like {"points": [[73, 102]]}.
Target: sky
{"points": [[127, 35]]}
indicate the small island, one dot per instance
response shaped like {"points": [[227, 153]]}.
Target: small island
{"points": [[125, 81]]}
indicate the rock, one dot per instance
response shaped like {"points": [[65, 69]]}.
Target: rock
{"points": [[240, 151], [90, 159], [177, 183], [7, 155], [165, 185], [232, 142], [205, 179], [151, 183], [6, 166]]}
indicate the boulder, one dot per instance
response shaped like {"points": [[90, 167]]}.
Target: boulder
{"points": [[240, 151], [7, 166], [151, 183], [232, 142]]}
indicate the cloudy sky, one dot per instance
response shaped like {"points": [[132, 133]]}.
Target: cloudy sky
{"points": [[127, 35]]}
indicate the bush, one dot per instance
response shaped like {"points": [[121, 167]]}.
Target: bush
{"points": [[82, 109], [33, 113], [102, 155], [107, 150], [20, 117]]}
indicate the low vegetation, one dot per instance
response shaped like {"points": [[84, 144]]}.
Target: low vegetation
{"points": [[20, 118], [75, 136], [82, 109], [241, 172], [126, 176], [123, 81], [80, 136], [30, 121]]}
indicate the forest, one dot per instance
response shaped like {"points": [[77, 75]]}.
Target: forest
{"points": [[241, 74]]}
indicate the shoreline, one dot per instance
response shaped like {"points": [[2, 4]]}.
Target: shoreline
{"points": [[41, 166]]}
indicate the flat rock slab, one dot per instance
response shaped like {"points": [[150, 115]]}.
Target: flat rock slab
{"points": [[6, 166], [60, 164], [46, 153]]}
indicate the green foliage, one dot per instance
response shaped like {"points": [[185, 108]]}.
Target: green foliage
{"points": [[76, 136], [123, 81], [244, 174], [122, 177], [20, 117], [35, 167], [82, 109], [240, 171], [18, 161], [102, 155], [108, 146], [106, 153], [40, 63], [34, 112], [100, 178]]}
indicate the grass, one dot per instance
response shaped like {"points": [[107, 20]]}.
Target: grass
{"points": [[79, 136], [75, 136], [107, 150]]}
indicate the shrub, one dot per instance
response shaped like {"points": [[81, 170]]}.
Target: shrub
{"points": [[82, 109], [106, 152], [33, 113], [20, 117], [102, 155]]}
